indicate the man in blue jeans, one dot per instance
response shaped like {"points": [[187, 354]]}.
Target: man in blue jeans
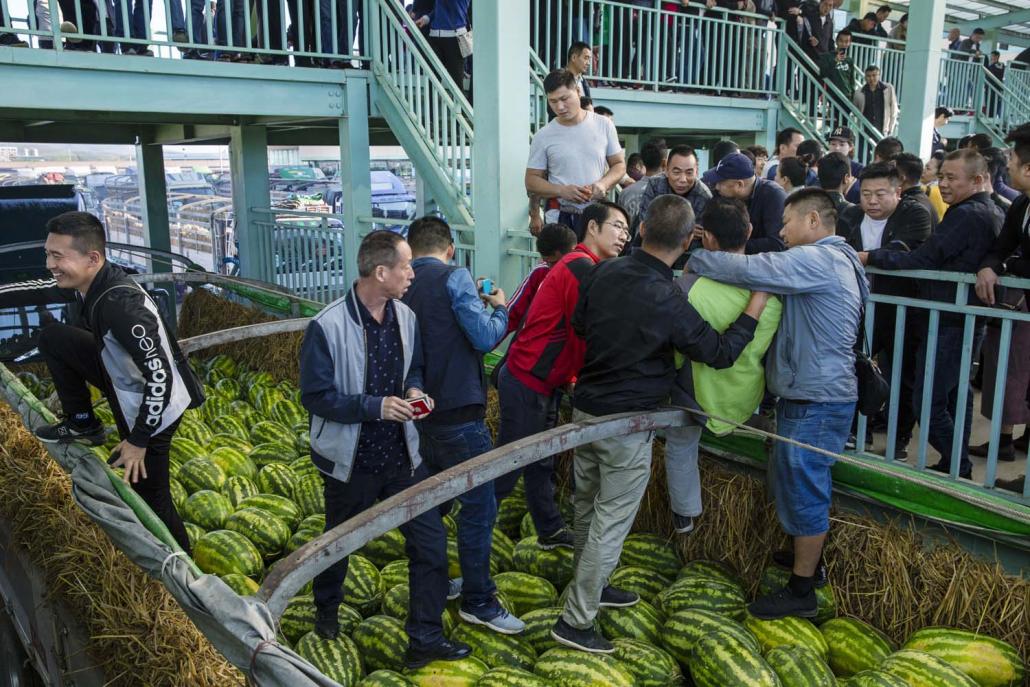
{"points": [[811, 368], [456, 330]]}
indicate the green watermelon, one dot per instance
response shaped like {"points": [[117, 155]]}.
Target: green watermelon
{"points": [[703, 593], [921, 669], [299, 618], [510, 513], [554, 565], [197, 432], [647, 583], [194, 532], [207, 508], [288, 413], [267, 532], [526, 527], [495, 649], [279, 506], [652, 552], [246, 413], [234, 462], [228, 388], [775, 578], [272, 452], [338, 659], [715, 570], [788, 631], [229, 424], [301, 537], [502, 550], [799, 666], [310, 494], [649, 665], [683, 629], [237, 488], [854, 646], [228, 441], [268, 431], [214, 407], [382, 642], [277, 478], [507, 676], [223, 365], [385, 678], [874, 678], [720, 660], [304, 467], [574, 668], [178, 493], [461, 673], [224, 552], [396, 601], [639, 621], [183, 450], [242, 585], [394, 573], [362, 589], [526, 592], [990, 662], [538, 628], [384, 549], [313, 522], [201, 473], [301, 440]]}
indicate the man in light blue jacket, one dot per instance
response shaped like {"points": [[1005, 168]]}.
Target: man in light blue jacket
{"points": [[811, 368]]}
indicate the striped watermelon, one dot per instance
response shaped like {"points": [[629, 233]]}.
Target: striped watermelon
{"points": [[854, 646], [269, 431], [277, 479], [227, 441], [182, 450], [279, 506], [789, 631], [338, 659], [223, 366], [394, 573], [453, 558], [197, 432], [299, 618], [201, 473], [450, 524], [288, 413], [228, 388], [313, 522], [301, 537], [990, 662], [214, 407], [223, 552], [495, 649], [384, 549], [382, 641], [272, 452], [649, 665], [396, 601], [647, 583], [920, 669], [510, 513], [461, 673], [385, 678], [715, 570], [229, 424], [252, 378], [554, 565], [639, 621], [178, 493], [652, 552], [502, 549], [242, 585], [309, 494], [538, 628], [194, 532], [267, 532], [207, 508], [304, 467], [874, 678], [703, 593], [775, 578], [234, 462], [799, 666], [265, 398], [720, 660], [526, 527], [362, 589], [526, 592], [302, 440], [237, 488], [507, 676], [246, 413], [574, 668], [683, 629]]}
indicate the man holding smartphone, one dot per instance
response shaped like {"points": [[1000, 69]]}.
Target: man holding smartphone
{"points": [[456, 330], [838, 68]]}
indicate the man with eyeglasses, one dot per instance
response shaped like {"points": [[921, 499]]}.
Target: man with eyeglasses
{"points": [[545, 359]]}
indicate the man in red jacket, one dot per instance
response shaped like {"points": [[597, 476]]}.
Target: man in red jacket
{"points": [[546, 357]]}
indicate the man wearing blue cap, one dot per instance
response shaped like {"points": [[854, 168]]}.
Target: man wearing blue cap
{"points": [[734, 177]]}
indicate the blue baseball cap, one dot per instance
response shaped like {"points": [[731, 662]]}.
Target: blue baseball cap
{"points": [[733, 166]]}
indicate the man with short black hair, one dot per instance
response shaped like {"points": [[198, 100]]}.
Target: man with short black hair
{"points": [[734, 177], [864, 29], [456, 331], [883, 12], [787, 142], [886, 150], [578, 61], [838, 68], [653, 156], [631, 316], [761, 158], [835, 178], [941, 116], [910, 171], [877, 101], [681, 178], [576, 157], [817, 28]]}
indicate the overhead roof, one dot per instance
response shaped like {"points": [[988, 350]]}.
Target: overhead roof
{"points": [[1010, 17]]}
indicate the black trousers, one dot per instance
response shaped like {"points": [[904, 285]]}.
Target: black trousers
{"points": [[446, 48], [72, 357], [425, 544]]}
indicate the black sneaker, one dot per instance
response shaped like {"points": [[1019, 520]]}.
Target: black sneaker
{"points": [[613, 597], [684, 524], [327, 623], [785, 559], [444, 650], [946, 469], [1022, 443], [1006, 452], [560, 538], [784, 603], [585, 640], [66, 433]]}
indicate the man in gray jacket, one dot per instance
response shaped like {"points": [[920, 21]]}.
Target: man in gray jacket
{"points": [[811, 368], [360, 362]]}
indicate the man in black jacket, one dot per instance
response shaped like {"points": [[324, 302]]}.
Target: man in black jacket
{"points": [[734, 177], [122, 347], [910, 171], [632, 317]]}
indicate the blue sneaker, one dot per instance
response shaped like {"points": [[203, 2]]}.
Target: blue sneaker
{"points": [[454, 588], [494, 616]]}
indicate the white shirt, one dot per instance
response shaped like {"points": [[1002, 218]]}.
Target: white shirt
{"points": [[872, 232]]}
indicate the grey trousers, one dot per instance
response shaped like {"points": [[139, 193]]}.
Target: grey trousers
{"points": [[611, 477], [681, 473]]}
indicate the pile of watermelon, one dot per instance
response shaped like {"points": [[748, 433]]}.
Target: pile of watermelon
{"points": [[245, 485]]}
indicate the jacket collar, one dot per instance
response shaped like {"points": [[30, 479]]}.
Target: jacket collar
{"points": [[580, 248], [105, 278], [651, 261]]}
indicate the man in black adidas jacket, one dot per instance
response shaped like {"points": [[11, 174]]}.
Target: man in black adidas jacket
{"points": [[121, 347]]}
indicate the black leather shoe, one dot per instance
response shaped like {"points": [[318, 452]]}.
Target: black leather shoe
{"points": [[785, 559], [585, 640], [784, 603], [444, 650]]}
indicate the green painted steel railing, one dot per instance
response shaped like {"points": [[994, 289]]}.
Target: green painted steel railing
{"points": [[960, 79], [537, 96], [1002, 107], [886, 53]]}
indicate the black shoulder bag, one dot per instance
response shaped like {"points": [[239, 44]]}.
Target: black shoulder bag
{"points": [[873, 389]]}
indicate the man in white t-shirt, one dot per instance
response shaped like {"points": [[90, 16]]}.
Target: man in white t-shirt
{"points": [[575, 158]]}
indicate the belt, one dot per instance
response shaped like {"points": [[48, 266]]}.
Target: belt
{"points": [[447, 33]]}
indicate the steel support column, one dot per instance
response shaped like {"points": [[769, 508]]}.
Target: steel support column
{"points": [[153, 196], [248, 153], [355, 179], [922, 66]]}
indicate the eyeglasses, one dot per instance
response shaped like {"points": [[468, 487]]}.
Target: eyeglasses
{"points": [[618, 225]]}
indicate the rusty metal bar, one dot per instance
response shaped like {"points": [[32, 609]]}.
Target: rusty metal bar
{"points": [[287, 576], [249, 331]]}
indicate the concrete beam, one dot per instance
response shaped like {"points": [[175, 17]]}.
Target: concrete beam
{"points": [[996, 21], [922, 66], [248, 152]]}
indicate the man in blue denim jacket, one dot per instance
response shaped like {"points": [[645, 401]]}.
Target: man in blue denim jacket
{"points": [[456, 330], [811, 368]]}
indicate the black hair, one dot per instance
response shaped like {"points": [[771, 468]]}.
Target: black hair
{"points": [[884, 8], [429, 234], [585, 101], [794, 170], [598, 211], [727, 220], [378, 248], [86, 230], [888, 147], [978, 31], [575, 49], [904, 18], [870, 15], [681, 151], [652, 155], [943, 112], [758, 151], [559, 78], [669, 220], [555, 238], [881, 170], [872, 68], [809, 151], [1020, 140], [833, 169], [721, 149], [603, 111], [997, 163], [815, 199], [785, 136], [844, 32], [634, 158], [978, 141], [973, 161], [995, 52], [749, 155], [910, 167]]}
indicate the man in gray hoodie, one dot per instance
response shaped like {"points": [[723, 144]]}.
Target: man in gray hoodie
{"points": [[811, 368]]}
